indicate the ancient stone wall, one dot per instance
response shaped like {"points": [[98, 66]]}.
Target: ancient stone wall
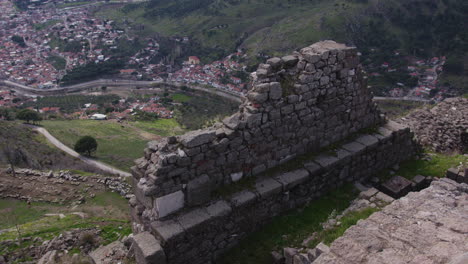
{"points": [[297, 104], [200, 235]]}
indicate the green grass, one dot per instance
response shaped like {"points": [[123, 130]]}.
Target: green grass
{"points": [[18, 212], [72, 4], [181, 98], [47, 24], [436, 167], [161, 127], [289, 229], [117, 145], [58, 62], [330, 235]]}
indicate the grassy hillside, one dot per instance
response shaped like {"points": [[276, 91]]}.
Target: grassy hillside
{"points": [[33, 150], [118, 144], [423, 27]]}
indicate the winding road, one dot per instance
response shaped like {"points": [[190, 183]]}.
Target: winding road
{"points": [[94, 163]]}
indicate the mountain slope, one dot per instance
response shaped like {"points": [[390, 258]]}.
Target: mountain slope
{"points": [[419, 26]]}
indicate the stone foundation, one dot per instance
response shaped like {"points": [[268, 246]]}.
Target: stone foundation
{"points": [[201, 234]]}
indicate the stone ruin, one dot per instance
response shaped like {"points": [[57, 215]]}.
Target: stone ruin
{"points": [[442, 128], [297, 104]]}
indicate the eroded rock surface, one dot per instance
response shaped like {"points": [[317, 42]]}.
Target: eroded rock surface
{"points": [[430, 226]]}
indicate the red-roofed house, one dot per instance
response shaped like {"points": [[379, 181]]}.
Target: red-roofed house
{"points": [[194, 60]]}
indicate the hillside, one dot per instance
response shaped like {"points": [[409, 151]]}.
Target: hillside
{"points": [[272, 26]]}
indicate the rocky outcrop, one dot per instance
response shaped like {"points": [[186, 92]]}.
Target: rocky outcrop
{"points": [[429, 226], [443, 128]]}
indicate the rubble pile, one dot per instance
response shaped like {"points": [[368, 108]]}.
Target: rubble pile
{"points": [[443, 128], [16, 186]]}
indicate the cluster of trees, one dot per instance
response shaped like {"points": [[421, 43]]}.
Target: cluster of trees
{"points": [[18, 40], [92, 70]]}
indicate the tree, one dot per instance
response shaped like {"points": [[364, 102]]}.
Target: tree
{"points": [[28, 115], [86, 145]]}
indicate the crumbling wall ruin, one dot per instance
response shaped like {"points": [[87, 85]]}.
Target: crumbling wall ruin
{"points": [[299, 103]]}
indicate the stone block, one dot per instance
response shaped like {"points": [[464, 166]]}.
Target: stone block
{"points": [[326, 161], [367, 140], [168, 204], [275, 62], [354, 147], [301, 259], [218, 209], [147, 249], [289, 254], [243, 198], [452, 174], [293, 178], [236, 176], [289, 61], [383, 197], [199, 190], [275, 91], [197, 138], [232, 122], [267, 186], [367, 194], [167, 231], [419, 181], [396, 187], [193, 219], [312, 167]]}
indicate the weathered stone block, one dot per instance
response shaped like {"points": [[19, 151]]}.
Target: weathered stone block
{"points": [[367, 140], [275, 91], [243, 198], [167, 231], [147, 249], [293, 178], [199, 190], [193, 219], [397, 187], [169, 204], [326, 161], [268, 186], [197, 138], [354, 147], [220, 208]]}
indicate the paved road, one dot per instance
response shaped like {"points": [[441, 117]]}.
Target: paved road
{"points": [[97, 164], [110, 82]]}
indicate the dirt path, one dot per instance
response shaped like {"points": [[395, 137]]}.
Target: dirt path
{"points": [[63, 147]]}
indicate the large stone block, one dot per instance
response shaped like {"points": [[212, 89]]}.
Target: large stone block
{"points": [[168, 204], [197, 138], [293, 178], [148, 250], [199, 190]]}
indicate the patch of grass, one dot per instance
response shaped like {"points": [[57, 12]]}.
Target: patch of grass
{"points": [[118, 145], [58, 62], [161, 127], [72, 4], [436, 167], [18, 212], [47, 24], [181, 98], [289, 229], [330, 235], [111, 233]]}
